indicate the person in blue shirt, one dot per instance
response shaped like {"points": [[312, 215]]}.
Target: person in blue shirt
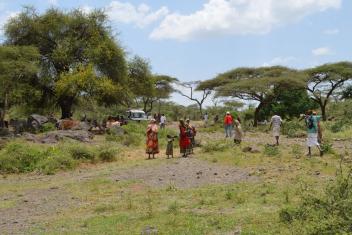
{"points": [[312, 123]]}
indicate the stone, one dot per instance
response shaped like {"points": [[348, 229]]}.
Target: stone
{"points": [[149, 230]]}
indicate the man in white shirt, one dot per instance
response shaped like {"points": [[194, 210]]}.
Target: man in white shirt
{"points": [[162, 121], [276, 123]]}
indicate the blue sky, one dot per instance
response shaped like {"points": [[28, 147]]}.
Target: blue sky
{"points": [[196, 40]]}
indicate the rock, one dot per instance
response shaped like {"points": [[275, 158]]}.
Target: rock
{"points": [[55, 136], [250, 150], [246, 149], [5, 133], [35, 121], [117, 130], [149, 230]]}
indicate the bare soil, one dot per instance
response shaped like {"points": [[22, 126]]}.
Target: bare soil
{"points": [[184, 173]]}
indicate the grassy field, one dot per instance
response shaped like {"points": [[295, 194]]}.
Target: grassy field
{"points": [[122, 197]]}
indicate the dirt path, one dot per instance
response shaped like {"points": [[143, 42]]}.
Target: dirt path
{"points": [[184, 173], [31, 206]]}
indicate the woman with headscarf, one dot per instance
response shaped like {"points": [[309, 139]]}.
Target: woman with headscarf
{"points": [[152, 147], [185, 142]]}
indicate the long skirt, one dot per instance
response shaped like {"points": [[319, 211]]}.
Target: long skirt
{"points": [[185, 145], [152, 145], [312, 140]]}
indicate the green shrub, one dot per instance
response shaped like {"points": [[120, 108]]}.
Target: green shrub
{"points": [[80, 152], [271, 150], [108, 154], [294, 128], [329, 213], [46, 127], [17, 157], [217, 146], [326, 147], [54, 163]]}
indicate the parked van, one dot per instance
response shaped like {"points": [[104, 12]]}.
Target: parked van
{"points": [[136, 115]]}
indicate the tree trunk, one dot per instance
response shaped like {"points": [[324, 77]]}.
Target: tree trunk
{"points": [[3, 112], [200, 110], [256, 114], [323, 111], [66, 107]]}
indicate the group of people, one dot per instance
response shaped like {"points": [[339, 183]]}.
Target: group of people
{"points": [[232, 126], [314, 130], [187, 133]]}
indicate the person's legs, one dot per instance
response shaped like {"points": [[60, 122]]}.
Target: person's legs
{"points": [[309, 152], [226, 132], [148, 155], [277, 139], [230, 131]]}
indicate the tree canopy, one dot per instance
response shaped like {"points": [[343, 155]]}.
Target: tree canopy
{"points": [[66, 41], [326, 80], [19, 67], [255, 84]]}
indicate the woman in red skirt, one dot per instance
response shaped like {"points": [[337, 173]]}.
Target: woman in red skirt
{"points": [[152, 147], [185, 142]]}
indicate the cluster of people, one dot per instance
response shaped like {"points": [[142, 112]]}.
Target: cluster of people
{"points": [[187, 133], [232, 126]]}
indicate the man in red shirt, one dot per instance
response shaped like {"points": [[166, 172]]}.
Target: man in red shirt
{"points": [[228, 124]]}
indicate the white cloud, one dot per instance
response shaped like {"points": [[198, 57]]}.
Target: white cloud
{"points": [[4, 17], [53, 2], [322, 51], [284, 61], [141, 15], [238, 17], [86, 9], [331, 31]]}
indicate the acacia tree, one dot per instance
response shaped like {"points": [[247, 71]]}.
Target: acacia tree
{"points": [[254, 84], [191, 88], [18, 66], [326, 80], [67, 40], [146, 87]]}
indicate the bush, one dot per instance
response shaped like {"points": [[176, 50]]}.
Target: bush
{"points": [[53, 163], [46, 127], [329, 213], [108, 154], [217, 146], [80, 152], [294, 128], [17, 157], [326, 147], [271, 150]]}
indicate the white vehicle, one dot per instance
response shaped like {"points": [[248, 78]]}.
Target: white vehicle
{"points": [[136, 115]]}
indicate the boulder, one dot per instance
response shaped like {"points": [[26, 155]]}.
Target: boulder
{"points": [[55, 136]]}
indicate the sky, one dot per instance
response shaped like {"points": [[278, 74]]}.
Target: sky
{"points": [[198, 39]]}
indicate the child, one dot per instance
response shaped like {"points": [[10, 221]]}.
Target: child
{"points": [[170, 146]]}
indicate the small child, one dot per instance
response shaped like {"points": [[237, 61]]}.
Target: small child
{"points": [[170, 146]]}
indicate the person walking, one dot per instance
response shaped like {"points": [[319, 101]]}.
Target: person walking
{"points": [[275, 124], [312, 122], [184, 142], [162, 121], [152, 145], [228, 124], [238, 132], [205, 119]]}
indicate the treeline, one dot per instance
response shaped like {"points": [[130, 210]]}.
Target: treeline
{"points": [[58, 59], [72, 60], [285, 91]]}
